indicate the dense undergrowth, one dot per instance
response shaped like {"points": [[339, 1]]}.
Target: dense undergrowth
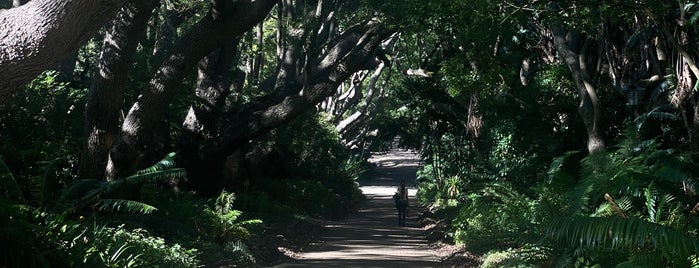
{"points": [[51, 218], [633, 205]]}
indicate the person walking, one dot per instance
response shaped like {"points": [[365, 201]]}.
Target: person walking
{"points": [[401, 199]]}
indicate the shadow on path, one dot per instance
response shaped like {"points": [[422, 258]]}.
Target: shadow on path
{"points": [[371, 237]]}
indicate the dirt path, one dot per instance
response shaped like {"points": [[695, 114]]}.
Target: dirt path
{"points": [[371, 237]]}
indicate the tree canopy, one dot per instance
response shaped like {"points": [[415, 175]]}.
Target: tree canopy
{"points": [[554, 133]]}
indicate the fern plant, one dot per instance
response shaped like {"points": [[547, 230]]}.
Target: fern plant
{"points": [[227, 222]]}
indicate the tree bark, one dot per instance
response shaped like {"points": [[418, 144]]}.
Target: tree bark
{"points": [[356, 49], [106, 95], [16, 3], [35, 36], [167, 35], [573, 51], [136, 148], [203, 119], [362, 109]]}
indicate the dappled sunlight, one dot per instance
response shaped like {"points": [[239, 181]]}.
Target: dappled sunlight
{"points": [[371, 237]]}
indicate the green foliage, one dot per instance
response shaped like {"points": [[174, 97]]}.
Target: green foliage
{"points": [[637, 236], [496, 218], [506, 258], [118, 247], [322, 173], [97, 193], [629, 202], [227, 225], [96, 230], [9, 183], [41, 122]]}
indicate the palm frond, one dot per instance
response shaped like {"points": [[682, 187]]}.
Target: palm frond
{"points": [[151, 177], [93, 192], [167, 163], [49, 185], [661, 113], [647, 259], [121, 205], [80, 188], [622, 233], [95, 189]]}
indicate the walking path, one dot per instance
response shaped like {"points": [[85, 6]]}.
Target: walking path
{"points": [[371, 237]]}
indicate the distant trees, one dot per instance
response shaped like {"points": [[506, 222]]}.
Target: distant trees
{"points": [[579, 115]]}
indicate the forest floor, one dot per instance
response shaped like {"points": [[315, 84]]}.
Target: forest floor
{"points": [[371, 236]]}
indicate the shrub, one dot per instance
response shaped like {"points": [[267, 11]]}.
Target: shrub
{"points": [[497, 218]]}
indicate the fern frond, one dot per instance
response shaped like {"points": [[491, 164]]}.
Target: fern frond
{"points": [[10, 184], [121, 205], [580, 195], [615, 206], [603, 210], [555, 170], [650, 195], [665, 202], [661, 112]]}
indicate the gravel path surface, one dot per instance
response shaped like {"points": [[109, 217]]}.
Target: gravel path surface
{"points": [[371, 237]]}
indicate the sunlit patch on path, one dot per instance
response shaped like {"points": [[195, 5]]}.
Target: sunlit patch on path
{"points": [[371, 237]]}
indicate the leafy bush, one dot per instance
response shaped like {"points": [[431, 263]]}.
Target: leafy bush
{"points": [[92, 229], [506, 258], [118, 247], [283, 198], [497, 218], [321, 177]]}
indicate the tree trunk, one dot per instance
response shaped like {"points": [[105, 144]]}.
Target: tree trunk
{"points": [[35, 36], [136, 148], [106, 95], [573, 50], [259, 60], [16, 3], [167, 35], [356, 48], [202, 121]]}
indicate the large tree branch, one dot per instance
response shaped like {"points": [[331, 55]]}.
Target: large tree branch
{"points": [[35, 36], [362, 109], [573, 49], [359, 45], [106, 94], [135, 148]]}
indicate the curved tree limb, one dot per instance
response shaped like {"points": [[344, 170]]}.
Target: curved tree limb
{"points": [[137, 148], [35, 36]]}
